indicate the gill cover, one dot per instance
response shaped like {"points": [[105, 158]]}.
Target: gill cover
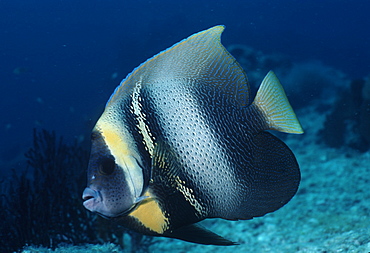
{"points": [[115, 180]]}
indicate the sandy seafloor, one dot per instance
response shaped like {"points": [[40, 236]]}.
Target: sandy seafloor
{"points": [[330, 213]]}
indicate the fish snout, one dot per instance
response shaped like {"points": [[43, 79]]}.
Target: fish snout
{"points": [[91, 199]]}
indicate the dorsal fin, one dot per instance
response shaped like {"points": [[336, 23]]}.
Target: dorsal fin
{"points": [[274, 104], [198, 60]]}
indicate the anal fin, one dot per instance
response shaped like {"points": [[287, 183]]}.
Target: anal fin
{"points": [[197, 234]]}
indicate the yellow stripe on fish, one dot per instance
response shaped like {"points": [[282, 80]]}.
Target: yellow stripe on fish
{"points": [[150, 215]]}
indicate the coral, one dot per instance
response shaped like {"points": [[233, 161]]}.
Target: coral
{"points": [[349, 122], [42, 205], [313, 81], [364, 118]]}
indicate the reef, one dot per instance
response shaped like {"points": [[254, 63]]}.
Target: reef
{"points": [[42, 206], [348, 124]]}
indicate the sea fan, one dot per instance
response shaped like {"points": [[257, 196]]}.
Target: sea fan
{"points": [[42, 205]]}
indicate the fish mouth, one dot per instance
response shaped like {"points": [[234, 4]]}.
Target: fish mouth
{"points": [[91, 198], [93, 201]]}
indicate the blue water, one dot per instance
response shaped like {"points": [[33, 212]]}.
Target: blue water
{"points": [[60, 60]]}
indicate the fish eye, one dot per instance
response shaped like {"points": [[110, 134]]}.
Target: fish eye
{"points": [[107, 166]]}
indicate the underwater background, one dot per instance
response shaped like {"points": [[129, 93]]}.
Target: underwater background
{"points": [[60, 61]]}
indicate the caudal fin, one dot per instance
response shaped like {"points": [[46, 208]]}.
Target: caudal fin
{"points": [[274, 104]]}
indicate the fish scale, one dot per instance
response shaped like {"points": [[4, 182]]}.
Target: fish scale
{"points": [[179, 109]]}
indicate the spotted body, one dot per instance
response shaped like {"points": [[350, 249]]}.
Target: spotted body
{"points": [[180, 141]]}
